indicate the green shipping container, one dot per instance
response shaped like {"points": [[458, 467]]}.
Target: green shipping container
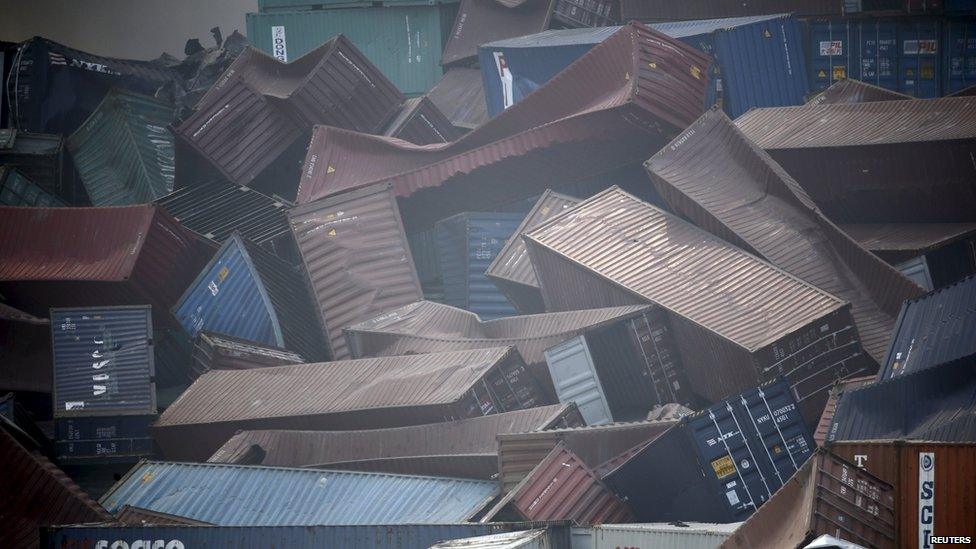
{"points": [[404, 42]]}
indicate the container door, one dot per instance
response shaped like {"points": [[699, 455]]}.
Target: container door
{"points": [[829, 44], [878, 53], [960, 54], [575, 380], [487, 235], [662, 366], [919, 63], [773, 415]]}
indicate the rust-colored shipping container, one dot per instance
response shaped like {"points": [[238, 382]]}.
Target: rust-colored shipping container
{"points": [[482, 21], [357, 258], [420, 122], [827, 496], [849, 90], [561, 487], [213, 351], [934, 484]]}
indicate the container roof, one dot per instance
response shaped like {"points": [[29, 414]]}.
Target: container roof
{"points": [[849, 90], [507, 540], [915, 238], [460, 95], [237, 495]]}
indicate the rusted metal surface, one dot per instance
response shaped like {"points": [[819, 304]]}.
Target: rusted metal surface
{"points": [[686, 10], [626, 96], [474, 436], [561, 487], [25, 351], [482, 21], [713, 175], [953, 473], [36, 493], [511, 269], [820, 433], [460, 95], [420, 122], [213, 351], [260, 106], [736, 319], [849, 90], [519, 453], [137, 516], [889, 161], [362, 394], [96, 256], [357, 258], [828, 495]]}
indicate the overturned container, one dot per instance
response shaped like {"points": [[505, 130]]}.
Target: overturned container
{"points": [[421, 123], [214, 351]]}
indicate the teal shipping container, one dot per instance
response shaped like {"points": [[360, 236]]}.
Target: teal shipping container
{"points": [[403, 41]]}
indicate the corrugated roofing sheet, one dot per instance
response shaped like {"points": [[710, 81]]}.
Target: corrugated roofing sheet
{"points": [[17, 190], [933, 329], [475, 466], [686, 10], [881, 162], [480, 21], [124, 151], [357, 258], [420, 122], [641, 87], [236, 495], [849, 90], [467, 436], [25, 351], [511, 269], [936, 404], [137, 516], [358, 394], [912, 238], [562, 487], [460, 95], [713, 175]]}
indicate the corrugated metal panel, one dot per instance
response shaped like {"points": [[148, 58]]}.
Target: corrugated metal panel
{"points": [[713, 175], [641, 86], [404, 42], [465, 437], [586, 13], [481, 21], [681, 535], [474, 466], [236, 495], [562, 487], [721, 301], [937, 404], [88, 441], [37, 156], [907, 239], [865, 162], [511, 270], [850, 90], [959, 62], [17, 190], [827, 418], [666, 10], [933, 329], [953, 476], [357, 258], [466, 245], [530, 539], [63, 257], [124, 151], [720, 464], [345, 395], [103, 361], [213, 351], [575, 379], [828, 495], [421, 123], [136, 516], [25, 351], [461, 97], [36, 493]]}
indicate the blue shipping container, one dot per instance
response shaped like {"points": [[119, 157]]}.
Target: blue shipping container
{"points": [[103, 361], [229, 297], [466, 245], [959, 45], [760, 60]]}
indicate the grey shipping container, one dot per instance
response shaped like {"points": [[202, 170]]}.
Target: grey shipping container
{"points": [[466, 245], [17, 190], [720, 464], [675, 535], [38, 156], [103, 361], [103, 439]]}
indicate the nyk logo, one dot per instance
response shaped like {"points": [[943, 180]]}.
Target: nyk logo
{"points": [[139, 544]]}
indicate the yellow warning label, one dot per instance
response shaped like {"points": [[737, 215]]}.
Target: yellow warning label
{"points": [[840, 73], [652, 65], [330, 216], [927, 73], [331, 232], [696, 72], [544, 210], [222, 274], [909, 73], [330, 169], [723, 467], [822, 74], [767, 34]]}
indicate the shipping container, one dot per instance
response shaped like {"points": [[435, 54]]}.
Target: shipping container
{"points": [[959, 50], [827, 418], [25, 352], [404, 41], [124, 151], [137, 516], [827, 496], [466, 245], [474, 436], [529, 539], [238, 495], [346, 395], [933, 329], [385, 536], [734, 203], [688, 10], [735, 319], [759, 59], [934, 483], [17, 190], [676, 535], [215, 351], [38, 157], [482, 21], [101, 439], [511, 270], [247, 292], [849, 90], [519, 453], [461, 97], [720, 464], [586, 13], [561, 487], [357, 257], [420, 122]]}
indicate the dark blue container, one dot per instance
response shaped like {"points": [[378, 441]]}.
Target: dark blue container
{"points": [[920, 57], [102, 439], [959, 47], [466, 245]]}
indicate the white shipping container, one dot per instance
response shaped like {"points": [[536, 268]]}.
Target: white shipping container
{"points": [[528, 539], [690, 535]]}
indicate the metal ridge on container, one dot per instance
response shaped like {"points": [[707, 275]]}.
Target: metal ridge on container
{"points": [[850, 90], [420, 122], [461, 97]]}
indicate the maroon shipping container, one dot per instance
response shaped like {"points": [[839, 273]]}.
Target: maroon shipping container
{"points": [[849, 90], [213, 351], [482, 21], [420, 122]]}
